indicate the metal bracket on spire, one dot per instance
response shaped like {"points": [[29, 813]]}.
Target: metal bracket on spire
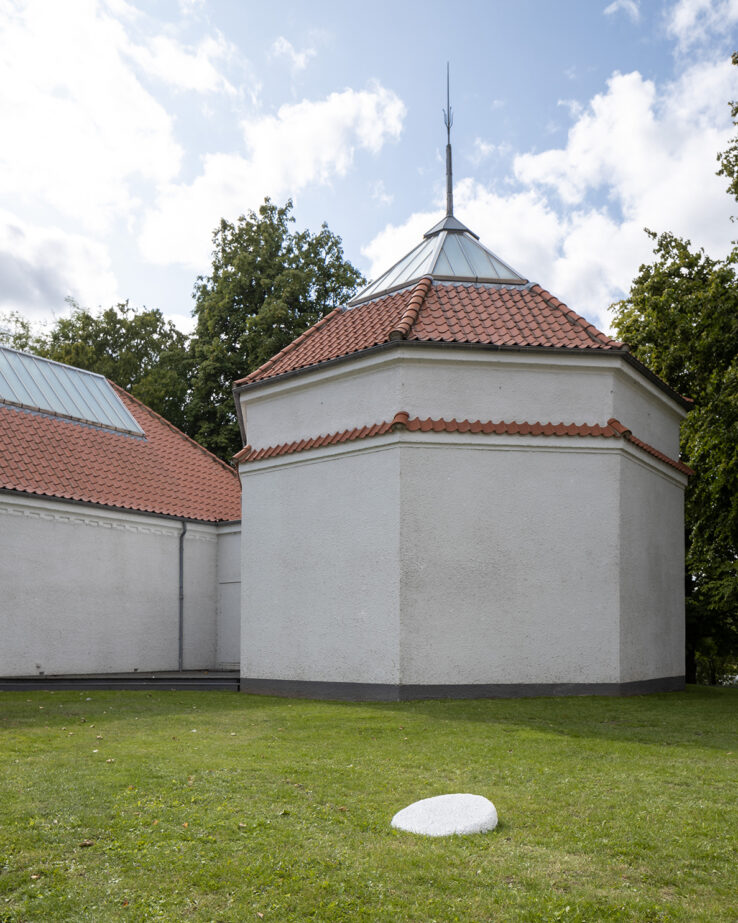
{"points": [[448, 121]]}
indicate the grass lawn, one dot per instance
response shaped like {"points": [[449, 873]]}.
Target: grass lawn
{"points": [[214, 806]]}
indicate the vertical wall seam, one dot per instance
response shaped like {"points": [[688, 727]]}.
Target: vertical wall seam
{"points": [[180, 658]]}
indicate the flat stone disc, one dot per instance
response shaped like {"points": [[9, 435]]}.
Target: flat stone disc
{"points": [[445, 815]]}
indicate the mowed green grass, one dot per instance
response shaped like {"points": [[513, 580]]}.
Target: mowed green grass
{"points": [[215, 806]]}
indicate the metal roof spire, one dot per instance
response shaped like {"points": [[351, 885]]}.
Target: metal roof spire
{"points": [[448, 121]]}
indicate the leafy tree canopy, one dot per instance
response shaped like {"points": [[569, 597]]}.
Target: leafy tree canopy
{"points": [[681, 320], [728, 159], [268, 284], [16, 331]]}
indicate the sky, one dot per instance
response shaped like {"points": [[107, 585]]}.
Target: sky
{"points": [[129, 129]]}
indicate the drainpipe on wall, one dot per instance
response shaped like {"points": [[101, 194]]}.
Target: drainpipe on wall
{"points": [[181, 595]]}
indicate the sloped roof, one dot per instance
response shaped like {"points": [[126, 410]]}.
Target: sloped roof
{"points": [[162, 471], [441, 312]]}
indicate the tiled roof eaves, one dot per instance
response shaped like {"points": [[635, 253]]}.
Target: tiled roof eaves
{"points": [[288, 348], [402, 420], [9, 491]]}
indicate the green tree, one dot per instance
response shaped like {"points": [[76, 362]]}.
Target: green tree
{"points": [[728, 159], [138, 350], [268, 284], [681, 320], [16, 331]]}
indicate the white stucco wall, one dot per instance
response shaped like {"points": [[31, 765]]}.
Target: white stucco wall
{"points": [[510, 563], [320, 555], [228, 652], [652, 577], [440, 559], [640, 406], [461, 384], [88, 590]]}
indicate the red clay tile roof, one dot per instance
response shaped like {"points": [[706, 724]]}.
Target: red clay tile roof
{"points": [[165, 472], [438, 312], [402, 420]]}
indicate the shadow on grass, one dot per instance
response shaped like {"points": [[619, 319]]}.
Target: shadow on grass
{"points": [[702, 716]]}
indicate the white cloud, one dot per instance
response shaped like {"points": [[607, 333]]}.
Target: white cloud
{"points": [[81, 132], [697, 22], [298, 59], [638, 156], [484, 149], [651, 151], [78, 127], [306, 143], [630, 7], [41, 266], [187, 68], [379, 193]]}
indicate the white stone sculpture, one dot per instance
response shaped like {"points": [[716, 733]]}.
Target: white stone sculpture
{"points": [[445, 815]]}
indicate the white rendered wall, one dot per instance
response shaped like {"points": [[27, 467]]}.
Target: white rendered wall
{"points": [[200, 596], [321, 568], [461, 384], [447, 560], [456, 559], [639, 405], [87, 590], [510, 564], [652, 580], [228, 652]]}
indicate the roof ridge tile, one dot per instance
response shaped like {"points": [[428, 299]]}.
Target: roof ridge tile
{"points": [[602, 339], [402, 329]]}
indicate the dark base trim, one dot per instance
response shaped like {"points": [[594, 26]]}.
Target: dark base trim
{"points": [[389, 692], [192, 679]]}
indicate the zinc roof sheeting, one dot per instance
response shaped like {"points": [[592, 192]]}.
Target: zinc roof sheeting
{"points": [[63, 391], [453, 254]]}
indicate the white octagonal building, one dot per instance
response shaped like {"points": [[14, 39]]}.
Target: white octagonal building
{"points": [[456, 486]]}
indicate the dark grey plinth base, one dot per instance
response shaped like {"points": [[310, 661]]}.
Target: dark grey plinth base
{"points": [[388, 692], [188, 679]]}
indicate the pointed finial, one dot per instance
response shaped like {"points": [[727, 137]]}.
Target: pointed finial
{"points": [[448, 121]]}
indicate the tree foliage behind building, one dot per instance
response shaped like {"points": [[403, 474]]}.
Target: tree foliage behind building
{"points": [[267, 285], [681, 320]]}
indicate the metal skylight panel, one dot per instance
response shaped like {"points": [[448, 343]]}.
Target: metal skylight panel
{"points": [[33, 383]]}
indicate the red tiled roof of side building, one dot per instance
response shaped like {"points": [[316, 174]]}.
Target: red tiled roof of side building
{"points": [[165, 472], [506, 316], [402, 420]]}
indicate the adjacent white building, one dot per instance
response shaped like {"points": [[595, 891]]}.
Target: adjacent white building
{"points": [[457, 486], [119, 536]]}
